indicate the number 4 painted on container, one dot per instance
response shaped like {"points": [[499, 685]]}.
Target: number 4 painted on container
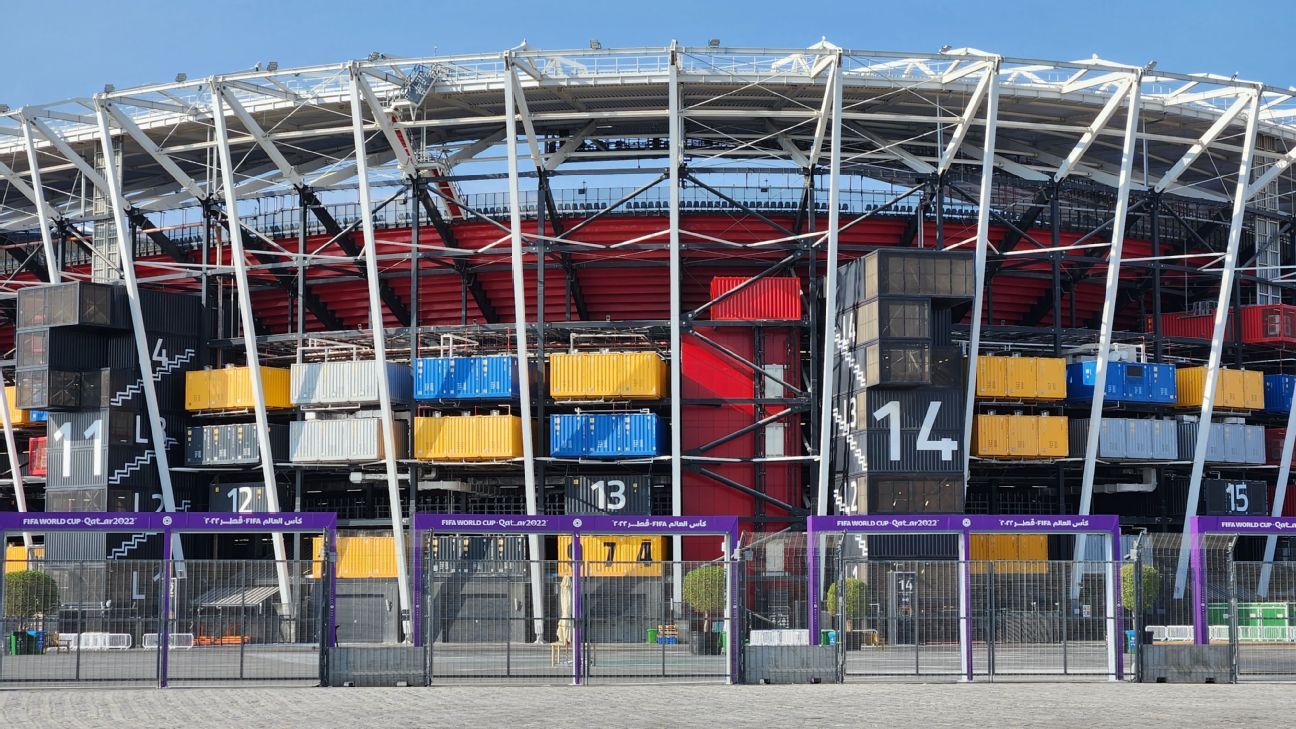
{"points": [[891, 412]]}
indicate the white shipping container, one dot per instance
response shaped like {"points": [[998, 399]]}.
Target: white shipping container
{"points": [[349, 440]]}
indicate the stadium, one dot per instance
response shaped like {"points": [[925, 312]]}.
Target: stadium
{"points": [[551, 360]]}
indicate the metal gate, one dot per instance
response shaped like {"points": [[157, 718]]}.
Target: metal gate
{"points": [[230, 622], [1261, 623], [1034, 619]]}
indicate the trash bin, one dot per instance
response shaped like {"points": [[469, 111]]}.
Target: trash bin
{"points": [[652, 636], [827, 637], [1131, 640], [23, 643]]}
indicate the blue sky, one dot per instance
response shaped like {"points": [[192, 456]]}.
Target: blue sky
{"points": [[49, 50]]}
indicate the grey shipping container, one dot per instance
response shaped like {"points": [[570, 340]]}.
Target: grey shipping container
{"points": [[891, 363], [894, 318], [233, 444], [1253, 444], [908, 494], [1113, 436], [1165, 440], [349, 440], [348, 383], [60, 349], [45, 389], [76, 546], [1215, 452], [917, 273], [1138, 439], [77, 303], [92, 498]]}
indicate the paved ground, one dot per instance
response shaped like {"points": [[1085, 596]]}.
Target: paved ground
{"points": [[1078, 705]]}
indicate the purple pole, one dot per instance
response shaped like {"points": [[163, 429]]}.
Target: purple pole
{"points": [[812, 580], [965, 577], [330, 573], [1201, 633], [164, 630], [731, 640], [578, 654], [1116, 599], [417, 536]]}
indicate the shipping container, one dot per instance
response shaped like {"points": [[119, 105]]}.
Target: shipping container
{"points": [[1234, 389], [358, 557], [468, 438], [1012, 554], [1082, 377], [71, 304], [345, 440], [1270, 324], [945, 275], [1228, 443], [990, 436], [772, 297], [992, 377], [47, 389], [908, 494], [1022, 372], [607, 376], [1050, 378], [1112, 438], [1253, 444], [17, 417], [479, 554], [166, 312], [466, 378], [894, 363], [36, 456], [605, 435], [76, 547], [60, 349], [321, 384], [1273, 446], [230, 388], [1278, 391], [1126, 382], [1165, 440], [1162, 383], [893, 317], [233, 444], [1023, 436], [608, 493], [1054, 438], [1138, 439], [122, 388]]}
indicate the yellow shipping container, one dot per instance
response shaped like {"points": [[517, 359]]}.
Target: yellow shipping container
{"points": [[17, 556], [607, 375], [1023, 436], [18, 417], [1050, 378], [619, 555], [468, 438], [1253, 390], [1021, 378], [1054, 436], [990, 436], [230, 388], [992, 376], [1234, 389], [358, 557], [1013, 554]]}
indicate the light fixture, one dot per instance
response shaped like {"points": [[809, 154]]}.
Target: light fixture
{"points": [[374, 55], [272, 66], [109, 88], [713, 43], [595, 45], [945, 48], [4, 108], [181, 78]]}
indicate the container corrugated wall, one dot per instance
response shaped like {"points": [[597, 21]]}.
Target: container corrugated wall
{"points": [[348, 383], [230, 388], [465, 378], [1013, 554], [992, 377], [1021, 378], [37, 453], [607, 375], [773, 297], [990, 436], [232, 444], [1234, 389], [468, 438], [1020, 436], [17, 417], [345, 440], [1228, 443], [605, 435], [1278, 391], [358, 557]]}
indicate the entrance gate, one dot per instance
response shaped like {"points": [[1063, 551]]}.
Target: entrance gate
{"points": [[1249, 607], [612, 608], [158, 621], [958, 617]]}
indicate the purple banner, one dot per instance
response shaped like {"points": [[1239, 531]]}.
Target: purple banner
{"points": [[1262, 525], [159, 522], [575, 524]]}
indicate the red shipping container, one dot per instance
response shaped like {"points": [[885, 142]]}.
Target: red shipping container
{"points": [[767, 298], [1289, 503], [1273, 446], [36, 457], [1269, 324]]}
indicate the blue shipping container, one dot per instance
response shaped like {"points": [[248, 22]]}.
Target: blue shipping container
{"points": [[1162, 383], [465, 378], [40, 416], [605, 435], [1126, 382], [1081, 377], [1278, 391]]}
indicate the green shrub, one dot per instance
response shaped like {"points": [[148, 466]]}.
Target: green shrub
{"points": [[28, 593], [704, 589], [1151, 586], [856, 602]]}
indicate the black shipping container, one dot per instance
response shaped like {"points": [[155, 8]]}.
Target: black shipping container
{"points": [[60, 349], [171, 313], [114, 388], [72, 304], [892, 362], [44, 389], [913, 547], [233, 444], [88, 498], [894, 318], [907, 409], [916, 272], [608, 494], [942, 325]]}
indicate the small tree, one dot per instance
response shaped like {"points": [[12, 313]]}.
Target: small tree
{"points": [[704, 590], [1151, 587], [29, 593], [856, 604]]}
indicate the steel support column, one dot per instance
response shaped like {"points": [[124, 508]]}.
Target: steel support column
{"points": [[1240, 198], [143, 353], [827, 393], [979, 261], [15, 468], [675, 123], [524, 377], [42, 210], [380, 352], [243, 291]]}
